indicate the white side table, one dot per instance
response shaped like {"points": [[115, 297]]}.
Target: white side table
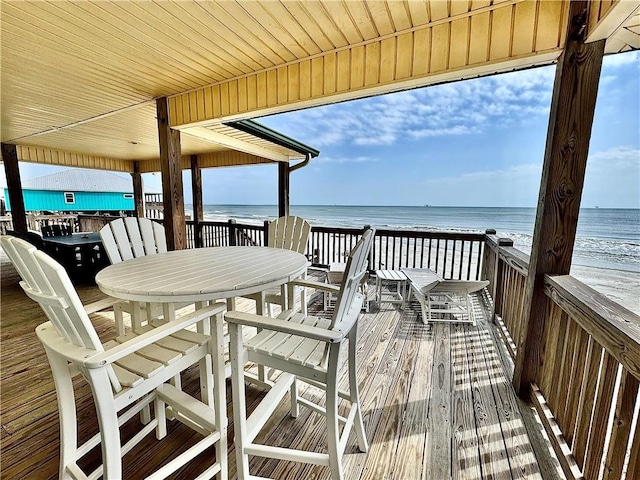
{"points": [[396, 277], [334, 277]]}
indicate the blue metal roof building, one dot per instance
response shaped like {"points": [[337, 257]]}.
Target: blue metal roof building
{"points": [[77, 190]]}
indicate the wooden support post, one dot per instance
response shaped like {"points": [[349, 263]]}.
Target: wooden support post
{"points": [[283, 189], [138, 191], [196, 193], [14, 187], [571, 118], [172, 193]]}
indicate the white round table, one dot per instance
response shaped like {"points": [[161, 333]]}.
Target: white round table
{"points": [[201, 274]]}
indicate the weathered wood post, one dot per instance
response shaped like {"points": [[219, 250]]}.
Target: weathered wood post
{"points": [[14, 187], [138, 191], [266, 233], [570, 122], [283, 189], [233, 233], [172, 193], [198, 208]]}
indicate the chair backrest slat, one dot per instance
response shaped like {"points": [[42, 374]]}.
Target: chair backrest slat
{"points": [[132, 237], [355, 270], [290, 233], [135, 238]]}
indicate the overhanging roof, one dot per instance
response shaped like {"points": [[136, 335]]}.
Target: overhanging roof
{"points": [[80, 79]]}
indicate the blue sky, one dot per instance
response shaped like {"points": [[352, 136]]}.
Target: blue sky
{"points": [[474, 143]]}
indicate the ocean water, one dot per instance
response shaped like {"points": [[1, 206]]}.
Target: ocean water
{"points": [[606, 238]]}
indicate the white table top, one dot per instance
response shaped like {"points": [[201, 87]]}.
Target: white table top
{"points": [[423, 279], [201, 274]]}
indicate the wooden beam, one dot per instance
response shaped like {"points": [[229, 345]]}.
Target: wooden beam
{"points": [[422, 55], [606, 18], [196, 193], [172, 193], [570, 122], [63, 158], [14, 187], [283, 189], [236, 144], [138, 191]]}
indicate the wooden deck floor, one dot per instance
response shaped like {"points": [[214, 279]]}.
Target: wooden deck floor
{"points": [[437, 404]]}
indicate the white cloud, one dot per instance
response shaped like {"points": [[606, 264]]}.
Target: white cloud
{"points": [[468, 107]]}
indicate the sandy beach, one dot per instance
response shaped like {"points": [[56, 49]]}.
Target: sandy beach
{"points": [[620, 286]]}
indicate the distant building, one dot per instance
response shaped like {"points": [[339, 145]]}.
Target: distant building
{"points": [[77, 190]]}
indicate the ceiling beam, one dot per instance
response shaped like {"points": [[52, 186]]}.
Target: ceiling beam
{"points": [[64, 158], [236, 144], [605, 17], [420, 56]]}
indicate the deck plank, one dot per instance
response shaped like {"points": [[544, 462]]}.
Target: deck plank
{"points": [[435, 401]]}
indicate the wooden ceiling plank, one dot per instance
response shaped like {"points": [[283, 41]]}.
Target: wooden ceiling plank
{"points": [[305, 79], [299, 12], [341, 18], [479, 38], [343, 82], [298, 28], [157, 35], [381, 17], [215, 36], [246, 36], [611, 17], [357, 67], [82, 58], [372, 58], [387, 60], [459, 7], [500, 33], [421, 52], [440, 44], [439, 9], [360, 14], [93, 42], [459, 49], [549, 33], [400, 14], [404, 55], [523, 28], [418, 13], [329, 71], [627, 36], [273, 28], [317, 11]]}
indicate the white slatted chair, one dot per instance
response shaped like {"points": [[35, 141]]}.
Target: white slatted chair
{"points": [[132, 237], [290, 233], [306, 348], [128, 238], [130, 371]]}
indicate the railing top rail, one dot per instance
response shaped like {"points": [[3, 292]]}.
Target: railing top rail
{"points": [[610, 324], [494, 241], [515, 258]]}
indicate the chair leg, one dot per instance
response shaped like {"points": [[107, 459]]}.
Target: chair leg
{"points": [[354, 392], [333, 428], [107, 422], [238, 359], [295, 408], [67, 413], [219, 398]]}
